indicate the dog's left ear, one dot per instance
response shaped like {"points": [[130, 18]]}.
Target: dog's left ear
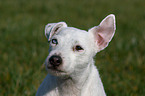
{"points": [[104, 32], [53, 28]]}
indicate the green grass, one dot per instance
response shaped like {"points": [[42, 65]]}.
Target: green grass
{"points": [[23, 46]]}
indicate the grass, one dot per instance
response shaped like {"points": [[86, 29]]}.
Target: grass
{"points": [[23, 46]]}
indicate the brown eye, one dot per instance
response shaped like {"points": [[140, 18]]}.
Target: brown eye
{"points": [[78, 48], [54, 41]]}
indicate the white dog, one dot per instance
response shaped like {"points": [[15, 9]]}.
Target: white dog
{"points": [[70, 61]]}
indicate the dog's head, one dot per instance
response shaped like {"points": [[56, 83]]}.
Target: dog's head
{"points": [[71, 50]]}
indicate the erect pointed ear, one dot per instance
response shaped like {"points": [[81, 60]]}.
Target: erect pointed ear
{"points": [[104, 32], [53, 28]]}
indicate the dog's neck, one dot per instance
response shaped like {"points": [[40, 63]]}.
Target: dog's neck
{"points": [[81, 76], [76, 82], [67, 86]]}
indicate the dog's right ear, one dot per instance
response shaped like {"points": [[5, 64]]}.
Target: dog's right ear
{"points": [[53, 28]]}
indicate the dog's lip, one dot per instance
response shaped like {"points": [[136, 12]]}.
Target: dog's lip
{"points": [[55, 69]]}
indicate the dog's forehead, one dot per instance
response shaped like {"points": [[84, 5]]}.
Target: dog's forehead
{"points": [[71, 32]]}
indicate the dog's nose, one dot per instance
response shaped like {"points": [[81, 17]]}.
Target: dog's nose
{"points": [[55, 60]]}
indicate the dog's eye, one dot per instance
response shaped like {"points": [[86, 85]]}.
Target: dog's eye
{"points": [[54, 41], [78, 48]]}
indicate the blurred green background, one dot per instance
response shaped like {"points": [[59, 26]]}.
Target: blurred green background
{"points": [[23, 46]]}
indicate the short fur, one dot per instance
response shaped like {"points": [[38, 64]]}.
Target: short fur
{"points": [[76, 75]]}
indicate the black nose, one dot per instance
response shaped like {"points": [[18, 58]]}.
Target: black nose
{"points": [[55, 60]]}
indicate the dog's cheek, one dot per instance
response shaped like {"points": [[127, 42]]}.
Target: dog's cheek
{"points": [[85, 58]]}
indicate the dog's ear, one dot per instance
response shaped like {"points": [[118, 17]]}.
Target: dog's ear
{"points": [[53, 28], [104, 32]]}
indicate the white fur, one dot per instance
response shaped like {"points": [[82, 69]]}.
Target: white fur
{"points": [[79, 76]]}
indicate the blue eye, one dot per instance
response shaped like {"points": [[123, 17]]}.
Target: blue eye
{"points": [[54, 41]]}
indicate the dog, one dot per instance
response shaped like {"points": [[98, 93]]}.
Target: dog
{"points": [[70, 61]]}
